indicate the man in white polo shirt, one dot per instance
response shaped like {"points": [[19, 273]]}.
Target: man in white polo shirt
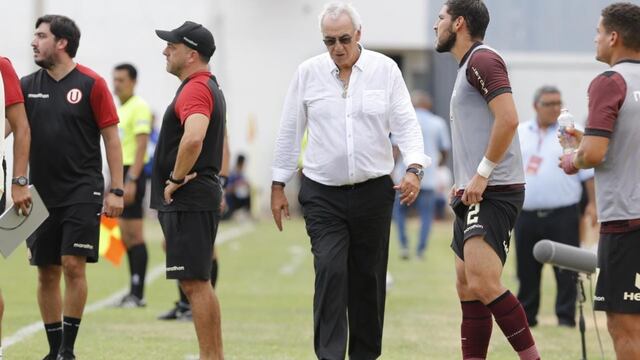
{"points": [[550, 209]]}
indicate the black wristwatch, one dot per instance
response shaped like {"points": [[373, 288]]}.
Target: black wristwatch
{"points": [[20, 180], [175, 181], [117, 192], [418, 171], [278, 183]]}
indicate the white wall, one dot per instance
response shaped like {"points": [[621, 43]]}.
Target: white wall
{"points": [[571, 73]]}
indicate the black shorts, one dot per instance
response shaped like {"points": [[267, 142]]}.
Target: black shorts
{"points": [[190, 236], [69, 230], [135, 209], [493, 219], [618, 279]]}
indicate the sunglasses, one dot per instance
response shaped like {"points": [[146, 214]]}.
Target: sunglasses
{"points": [[331, 41], [550, 103]]}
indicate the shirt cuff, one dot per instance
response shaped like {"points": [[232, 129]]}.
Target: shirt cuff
{"points": [[282, 175], [417, 158]]}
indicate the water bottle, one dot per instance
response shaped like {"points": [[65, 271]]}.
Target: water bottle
{"points": [[566, 121]]}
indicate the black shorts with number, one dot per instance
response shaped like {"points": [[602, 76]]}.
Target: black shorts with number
{"points": [[190, 236], [69, 230], [135, 209], [618, 273], [493, 219]]}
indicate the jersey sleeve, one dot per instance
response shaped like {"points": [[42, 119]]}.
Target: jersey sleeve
{"points": [[12, 90], [195, 98], [487, 72], [142, 120], [104, 110], [606, 96]]}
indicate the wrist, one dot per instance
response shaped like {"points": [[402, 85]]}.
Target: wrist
{"points": [[486, 167], [277, 185], [174, 180], [130, 178]]}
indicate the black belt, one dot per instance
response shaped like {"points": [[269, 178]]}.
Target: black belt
{"points": [[543, 213]]}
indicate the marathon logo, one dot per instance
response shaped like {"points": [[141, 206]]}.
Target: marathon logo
{"points": [[175, 268], [83, 246], [480, 79], [598, 298], [472, 227], [38, 96]]}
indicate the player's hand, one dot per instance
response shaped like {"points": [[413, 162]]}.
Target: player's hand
{"points": [[130, 188], [567, 165], [223, 204], [452, 193], [279, 204], [170, 187], [113, 205], [409, 188], [570, 138], [473, 192], [21, 197]]}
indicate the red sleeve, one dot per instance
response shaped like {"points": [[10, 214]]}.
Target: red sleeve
{"points": [[12, 90], [606, 96], [104, 110], [195, 98], [488, 73]]}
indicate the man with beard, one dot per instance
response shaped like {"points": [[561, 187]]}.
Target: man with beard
{"points": [[69, 107], [489, 180], [185, 186], [610, 146], [350, 99]]}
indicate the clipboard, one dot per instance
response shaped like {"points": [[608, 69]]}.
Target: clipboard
{"points": [[15, 229]]}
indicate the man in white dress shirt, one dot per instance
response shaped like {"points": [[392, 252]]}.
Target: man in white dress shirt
{"points": [[350, 99]]}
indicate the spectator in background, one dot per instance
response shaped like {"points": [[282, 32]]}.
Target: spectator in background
{"points": [[238, 190], [551, 207], [437, 143]]}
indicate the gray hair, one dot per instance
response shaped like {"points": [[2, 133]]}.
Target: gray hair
{"points": [[335, 9], [546, 89]]}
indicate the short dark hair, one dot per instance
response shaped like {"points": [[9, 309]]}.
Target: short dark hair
{"points": [[130, 69], [623, 18], [63, 28], [475, 14], [546, 89]]}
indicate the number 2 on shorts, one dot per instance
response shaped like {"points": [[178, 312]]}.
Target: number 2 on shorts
{"points": [[472, 215]]}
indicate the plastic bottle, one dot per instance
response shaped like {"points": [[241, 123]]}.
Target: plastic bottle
{"points": [[566, 121]]}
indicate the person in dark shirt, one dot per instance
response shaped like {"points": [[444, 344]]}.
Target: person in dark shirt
{"points": [[16, 122], [185, 187], [69, 108]]}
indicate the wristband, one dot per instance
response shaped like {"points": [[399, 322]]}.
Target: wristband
{"points": [[277, 183], [175, 181], [485, 168], [567, 165]]}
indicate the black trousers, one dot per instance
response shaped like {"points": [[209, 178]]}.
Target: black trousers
{"points": [[349, 230], [560, 225]]}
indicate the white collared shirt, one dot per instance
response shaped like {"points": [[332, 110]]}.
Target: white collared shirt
{"points": [[348, 136], [548, 187]]}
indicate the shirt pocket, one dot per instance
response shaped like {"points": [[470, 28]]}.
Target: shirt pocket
{"points": [[374, 102]]}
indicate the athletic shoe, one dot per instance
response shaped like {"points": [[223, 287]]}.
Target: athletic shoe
{"points": [[49, 357], [185, 316], [175, 313], [131, 301]]}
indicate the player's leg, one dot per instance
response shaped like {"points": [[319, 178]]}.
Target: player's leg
{"points": [[132, 236], [205, 310], [400, 217], [528, 269], [426, 203], [625, 332]]}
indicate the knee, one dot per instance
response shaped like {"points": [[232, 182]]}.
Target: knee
{"points": [[73, 267], [483, 291], [191, 287], [49, 275]]}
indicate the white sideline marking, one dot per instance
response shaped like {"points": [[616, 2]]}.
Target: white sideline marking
{"points": [[297, 257], [27, 331]]}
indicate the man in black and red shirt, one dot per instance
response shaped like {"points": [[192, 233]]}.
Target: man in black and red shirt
{"points": [[13, 104], [184, 185], [69, 107]]}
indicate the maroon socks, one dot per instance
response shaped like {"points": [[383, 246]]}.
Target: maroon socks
{"points": [[511, 318], [475, 330]]}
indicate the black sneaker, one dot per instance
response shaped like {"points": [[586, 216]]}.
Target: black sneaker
{"points": [[131, 301], [176, 313], [185, 316], [49, 357]]}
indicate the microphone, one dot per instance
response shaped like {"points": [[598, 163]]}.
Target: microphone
{"points": [[565, 256]]}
